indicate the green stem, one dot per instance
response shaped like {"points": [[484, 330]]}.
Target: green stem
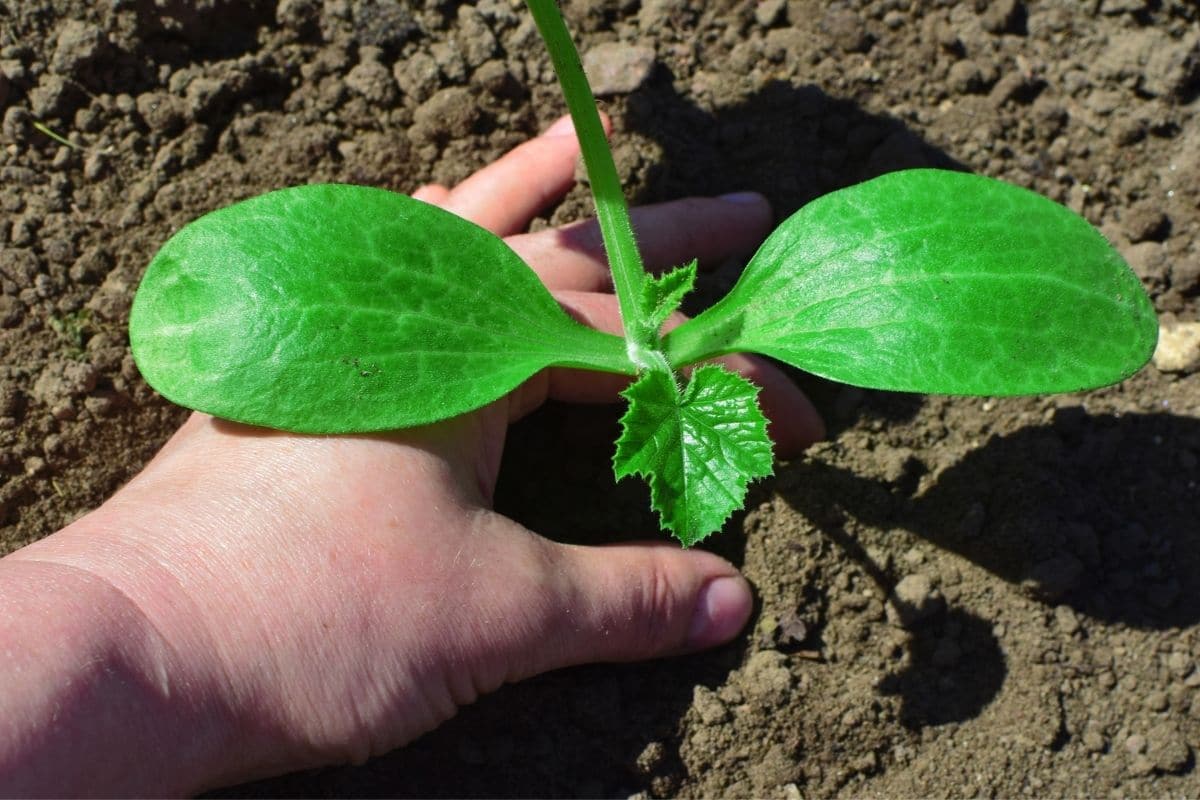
{"points": [[611, 210]]}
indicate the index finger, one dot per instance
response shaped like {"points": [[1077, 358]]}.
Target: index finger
{"points": [[710, 229], [504, 196]]}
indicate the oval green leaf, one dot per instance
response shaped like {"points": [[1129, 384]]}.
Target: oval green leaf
{"points": [[939, 282], [334, 308]]}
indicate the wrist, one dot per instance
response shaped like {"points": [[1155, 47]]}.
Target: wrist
{"points": [[97, 700]]}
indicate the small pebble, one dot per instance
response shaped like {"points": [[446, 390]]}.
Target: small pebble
{"points": [[1135, 744]]}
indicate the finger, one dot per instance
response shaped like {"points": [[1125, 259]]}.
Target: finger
{"points": [[711, 229], [627, 603], [432, 193], [792, 421], [503, 197]]}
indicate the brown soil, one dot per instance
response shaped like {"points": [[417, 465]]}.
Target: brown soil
{"points": [[1047, 550]]}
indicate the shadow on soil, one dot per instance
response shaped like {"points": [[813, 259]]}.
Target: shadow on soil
{"points": [[1095, 512], [955, 665], [813, 144]]}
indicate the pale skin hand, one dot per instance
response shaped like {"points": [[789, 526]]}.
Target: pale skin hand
{"points": [[257, 602]]}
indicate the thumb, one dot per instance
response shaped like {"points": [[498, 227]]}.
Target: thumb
{"points": [[637, 601]]}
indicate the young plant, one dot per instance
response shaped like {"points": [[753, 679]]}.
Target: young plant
{"points": [[339, 309]]}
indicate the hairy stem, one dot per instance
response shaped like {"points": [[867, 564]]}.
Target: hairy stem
{"points": [[611, 210]]}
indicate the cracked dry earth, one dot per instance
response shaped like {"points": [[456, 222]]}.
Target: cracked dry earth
{"points": [[959, 597]]}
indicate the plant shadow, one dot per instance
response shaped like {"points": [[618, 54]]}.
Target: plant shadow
{"points": [[1094, 512], [952, 664], [817, 144]]}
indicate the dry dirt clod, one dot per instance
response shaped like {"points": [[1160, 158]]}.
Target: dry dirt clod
{"points": [[62, 381], [708, 706], [79, 45], [55, 97], [617, 67], [769, 12], [767, 678], [449, 114], [163, 112], [1178, 347], [1146, 221], [11, 309], [913, 600], [417, 76], [1004, 16], [1167, 749], [374, 82], [1185, 273], [846, 29], [1093, 739], [1066, 619]]}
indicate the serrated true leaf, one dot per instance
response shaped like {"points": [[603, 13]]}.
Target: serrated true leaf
{"points": [[698, 448], [334, 308], [935, 281], [662, 295]]}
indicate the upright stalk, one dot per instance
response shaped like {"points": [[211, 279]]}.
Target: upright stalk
{"points": [[611, 211]]}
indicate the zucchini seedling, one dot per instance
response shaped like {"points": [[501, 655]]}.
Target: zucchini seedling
{"points": [[337, 309]]}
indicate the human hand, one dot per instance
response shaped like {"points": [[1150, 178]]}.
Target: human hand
{"points": [[290, 601]]}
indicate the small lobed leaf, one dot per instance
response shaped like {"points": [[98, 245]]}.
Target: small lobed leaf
{"points": [[661, 296], [335, 308], [698, 449], [935, 281]]}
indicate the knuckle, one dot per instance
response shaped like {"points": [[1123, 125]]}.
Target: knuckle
{"points": [[656, 608]]}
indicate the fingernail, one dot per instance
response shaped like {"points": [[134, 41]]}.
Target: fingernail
{"points": [[743, 198], [562, 127], [722, 608]]}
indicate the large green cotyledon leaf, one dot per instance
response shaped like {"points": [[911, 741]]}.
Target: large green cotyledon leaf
{"points": [[935, 281], [335, 308]]}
